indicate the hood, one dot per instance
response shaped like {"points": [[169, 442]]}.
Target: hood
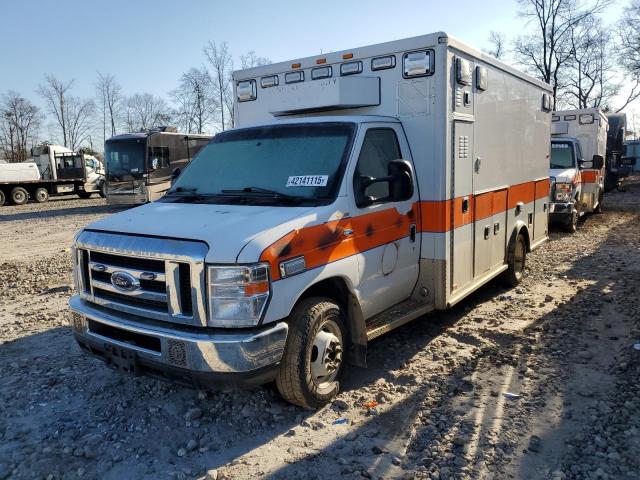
{"points": [[225, 228], [563, 175]]}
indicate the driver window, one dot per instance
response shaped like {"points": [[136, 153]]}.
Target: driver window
{"points": [[380, 147], [579, 152]]}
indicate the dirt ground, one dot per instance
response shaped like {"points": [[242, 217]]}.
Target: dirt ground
{"points": [[537, 382]]}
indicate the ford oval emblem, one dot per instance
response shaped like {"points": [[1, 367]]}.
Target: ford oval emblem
{"points": [[124, 281]]}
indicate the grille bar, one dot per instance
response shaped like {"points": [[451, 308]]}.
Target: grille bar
{"points": [[137, 294], [135, 272]]}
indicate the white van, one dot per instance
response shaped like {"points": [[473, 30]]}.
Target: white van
{"points": [[360, 190], [577, 170]]}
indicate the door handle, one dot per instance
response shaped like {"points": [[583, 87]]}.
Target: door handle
{"points": [[412, 232], [465, 204], [478, 162], [487, 229]]}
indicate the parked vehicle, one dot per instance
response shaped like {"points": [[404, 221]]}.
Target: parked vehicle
{"points": [[578, 147], [51, 170], [617, 167], [359, 191], [141, 166], [632, 154]]}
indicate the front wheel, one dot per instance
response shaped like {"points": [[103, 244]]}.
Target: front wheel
{"points": [[19, 196], [314, 357], [572, 226], [2, 198], [517, 261], [84, 195], [103, 190], [41, 195]]}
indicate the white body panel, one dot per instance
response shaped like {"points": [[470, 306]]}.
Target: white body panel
{"points": [[18, 172]]}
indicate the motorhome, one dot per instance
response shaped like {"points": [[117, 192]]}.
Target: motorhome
{"points": [[578, 149], [141, 166], [359, 190], [51, 170]]}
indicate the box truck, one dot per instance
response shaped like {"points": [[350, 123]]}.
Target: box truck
{"points": [[360, 190], [141, 166], [578, 149], [51, 170]]}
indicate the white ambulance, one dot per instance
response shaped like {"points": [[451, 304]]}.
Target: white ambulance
{"points": [[577, 170], [359, 191]]}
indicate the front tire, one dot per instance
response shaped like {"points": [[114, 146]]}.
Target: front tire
{"points": [[2, 198], [517, 261], [572, 226], [84, 195], [315, 354], [19, 196]]}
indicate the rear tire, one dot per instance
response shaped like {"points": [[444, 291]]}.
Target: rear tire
{"points": [[2, 198], [572, 226], [41, 195], [84, 195], [103, 190], [517, 261], [19, 196], [315, 353]]}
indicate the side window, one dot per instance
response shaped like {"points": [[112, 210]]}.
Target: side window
{"points": [[578, 152], [161, 154], [380, 147]]}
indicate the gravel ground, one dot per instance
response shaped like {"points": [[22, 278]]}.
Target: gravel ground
{"points": [[541, 381]]}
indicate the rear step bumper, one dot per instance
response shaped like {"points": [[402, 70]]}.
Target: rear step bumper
{"points": [[210, 355]]}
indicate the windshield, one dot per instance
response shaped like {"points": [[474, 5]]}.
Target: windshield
{"points": [[561, 155], [125, 160], [303, 161]]}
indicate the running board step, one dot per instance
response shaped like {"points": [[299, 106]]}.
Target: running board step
{"points": [[395, 317]]}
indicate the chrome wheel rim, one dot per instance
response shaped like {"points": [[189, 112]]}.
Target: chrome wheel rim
{"points": [[518, 260], [326, 353], [41, 195], [18, 197]]}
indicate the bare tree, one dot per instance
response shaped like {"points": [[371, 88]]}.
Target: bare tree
{"points": [[498, 42], [110, 101], [55, 93], [19, 124], [629, 30], [251, 60], [590, 66], [546, 51], [221, 63], [145, 111], [196, 100], [80, 121]]}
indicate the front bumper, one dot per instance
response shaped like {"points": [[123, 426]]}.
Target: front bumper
{"points": [[560, 212], [194, 354], [127, 198]]}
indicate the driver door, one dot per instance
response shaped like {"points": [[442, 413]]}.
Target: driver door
{"points": [[385, 232]]}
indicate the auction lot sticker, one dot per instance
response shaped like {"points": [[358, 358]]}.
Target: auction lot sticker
{"points": [[308, 181]]}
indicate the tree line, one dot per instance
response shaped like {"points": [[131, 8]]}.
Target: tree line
{"points": [[201, 103], [566, 44]]}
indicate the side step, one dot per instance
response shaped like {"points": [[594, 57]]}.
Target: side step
{"points": [[395, 317]]}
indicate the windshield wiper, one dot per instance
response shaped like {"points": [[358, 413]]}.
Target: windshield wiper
{"points": [[265, 192]]}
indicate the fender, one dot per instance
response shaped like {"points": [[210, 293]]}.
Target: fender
{"points": [[519, 227]]}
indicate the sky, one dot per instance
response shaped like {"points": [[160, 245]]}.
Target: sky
{"points": [[148, 44]]}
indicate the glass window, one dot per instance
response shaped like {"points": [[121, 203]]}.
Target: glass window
{"points": [[161, 154], [124, 159], [561, 155], [380, 147], [303, 160]]}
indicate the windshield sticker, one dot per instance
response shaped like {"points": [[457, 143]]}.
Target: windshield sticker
{"points": [[559, 145], [308, 181]]}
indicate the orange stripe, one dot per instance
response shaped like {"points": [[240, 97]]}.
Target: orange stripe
{"points": [[326, 243]]}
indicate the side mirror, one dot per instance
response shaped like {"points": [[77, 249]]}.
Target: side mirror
{"points": [[175, 174], [401, 183], [597, 162], [155, 163]]}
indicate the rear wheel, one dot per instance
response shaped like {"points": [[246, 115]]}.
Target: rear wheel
{"points": [[517, 261], [19, 196], [2, 198], [41, 195], [313, 360], [598, 209], [572, 226]]}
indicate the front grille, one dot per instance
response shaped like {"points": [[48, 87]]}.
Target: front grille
{"points": [[185, 289], [128, 262]]}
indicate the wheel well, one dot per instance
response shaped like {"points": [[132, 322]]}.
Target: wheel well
{"points": [[525, 233], [334, 288]]}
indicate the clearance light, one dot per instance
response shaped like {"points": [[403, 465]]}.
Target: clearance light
{"points": [[351, 68], [382, 63], [320, 61], [296, 65], [246, 90], [270, 81], [321, 72], [347, 56], [292, 267], [294, 77]]}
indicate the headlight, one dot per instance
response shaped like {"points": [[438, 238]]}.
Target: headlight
{"points": [[564, 192], [237, 294]]}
